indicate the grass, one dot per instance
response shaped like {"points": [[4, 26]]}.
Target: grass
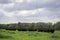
{"points": [[22, 35]]}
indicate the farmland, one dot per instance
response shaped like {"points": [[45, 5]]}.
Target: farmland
{"points": [[30, 31], [26, 35]]}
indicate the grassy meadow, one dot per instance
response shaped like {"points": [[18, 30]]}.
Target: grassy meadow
{"points": [[22, 35]]}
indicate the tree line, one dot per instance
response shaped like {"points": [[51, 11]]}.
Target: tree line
{"points": [[40, 26]]}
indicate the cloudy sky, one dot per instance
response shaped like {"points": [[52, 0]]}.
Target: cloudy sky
{"points": [[13, 11]]}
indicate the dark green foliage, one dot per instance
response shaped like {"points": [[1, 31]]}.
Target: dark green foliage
{"points": [[57, 26], [40, 26], [5, 36], [55, 36]]}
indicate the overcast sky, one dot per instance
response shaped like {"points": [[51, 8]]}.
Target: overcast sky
{"points": [[13, 11]]}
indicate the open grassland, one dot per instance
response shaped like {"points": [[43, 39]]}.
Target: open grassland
{"points": [[22, 35]]}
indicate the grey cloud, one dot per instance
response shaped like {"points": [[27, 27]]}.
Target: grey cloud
{"points": [[47, 13], [35, 19], [5, 1], [24, 6], [3, 18], [53, 8], [26, 19], [35, 5]]}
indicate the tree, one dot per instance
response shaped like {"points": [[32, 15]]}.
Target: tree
{"points": [[57, 26]]}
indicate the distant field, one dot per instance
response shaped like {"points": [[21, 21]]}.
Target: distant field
{"points": [[19, 35]]}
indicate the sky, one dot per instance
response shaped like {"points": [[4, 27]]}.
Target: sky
{"points": [[13, 11]]}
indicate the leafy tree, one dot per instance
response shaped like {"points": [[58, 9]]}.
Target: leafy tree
{"points": [[57, 26]]}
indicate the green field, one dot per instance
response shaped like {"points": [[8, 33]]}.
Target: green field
{"points": [[19, 35]]}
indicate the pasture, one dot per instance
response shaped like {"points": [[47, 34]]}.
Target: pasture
{"points": [[26, 35]]}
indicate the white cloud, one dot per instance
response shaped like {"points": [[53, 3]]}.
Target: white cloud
{"points": [[46, 1], [21, 13], [20, 1], [8, 20], [25, 12], [3, 6], [9, 14], [32, 1], [29, 1], [29, 12]]}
